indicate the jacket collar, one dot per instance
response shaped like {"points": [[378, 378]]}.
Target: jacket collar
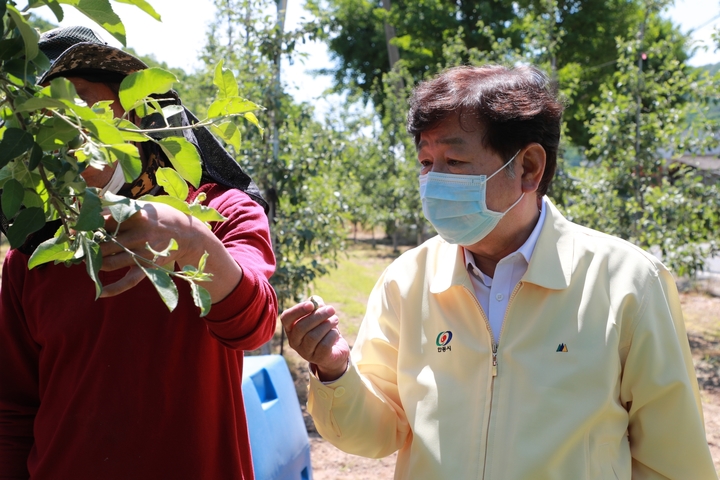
{"points": [[551, 262], [550, 265]]}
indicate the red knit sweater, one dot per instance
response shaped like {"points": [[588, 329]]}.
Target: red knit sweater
{"points": [[120, 388]]}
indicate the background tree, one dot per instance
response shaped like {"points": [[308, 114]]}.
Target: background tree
{"points": [[302, 175], [651, 110], [582, 40]]}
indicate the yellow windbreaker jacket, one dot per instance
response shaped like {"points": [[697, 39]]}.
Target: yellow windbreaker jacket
{"points": [[592, 377]]}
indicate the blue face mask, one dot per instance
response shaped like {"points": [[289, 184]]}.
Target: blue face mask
{"points": [[455, 205]]}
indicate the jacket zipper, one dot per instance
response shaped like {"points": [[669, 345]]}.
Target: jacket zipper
{"points": [[494, 366], [494, 347], [494, 355]]}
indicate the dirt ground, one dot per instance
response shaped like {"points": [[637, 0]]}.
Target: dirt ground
{"points": [[702, 318], [702, 315]]}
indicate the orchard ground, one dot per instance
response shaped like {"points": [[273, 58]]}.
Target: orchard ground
{"points": [[348, 287]]}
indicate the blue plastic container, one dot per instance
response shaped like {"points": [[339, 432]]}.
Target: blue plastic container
{"points": [[278, 438]]}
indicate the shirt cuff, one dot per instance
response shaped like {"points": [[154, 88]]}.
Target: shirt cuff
{"points": [[313, 372]]}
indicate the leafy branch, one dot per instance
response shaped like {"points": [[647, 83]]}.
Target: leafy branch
{"points": [[49, 140]]}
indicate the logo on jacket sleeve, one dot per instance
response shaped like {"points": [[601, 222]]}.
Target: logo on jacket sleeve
{"points": [[562, 348], [443, 341]]}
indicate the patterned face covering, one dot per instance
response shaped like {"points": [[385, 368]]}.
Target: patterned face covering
{"points": [[151, 154], [456, 205], [153, 158]]}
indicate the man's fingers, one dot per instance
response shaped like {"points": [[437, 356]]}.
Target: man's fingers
{"points": [[122, 259], [326, 346], [294, 313], [114, 261], [132, 278], [304, 325], [309, 340], [311, 328], [110, 223]]}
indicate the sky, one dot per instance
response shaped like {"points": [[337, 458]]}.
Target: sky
{"points": [[178, 39]]}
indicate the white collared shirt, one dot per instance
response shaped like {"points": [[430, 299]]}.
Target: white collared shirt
{"points": [[494, 293]]}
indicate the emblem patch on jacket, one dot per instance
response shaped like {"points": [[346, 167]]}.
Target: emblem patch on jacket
{"points": [[443, 341], [562, 348]]}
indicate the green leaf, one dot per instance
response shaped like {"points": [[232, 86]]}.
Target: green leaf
{"points": [[17, 71], [56, 9], [163, 284], [130, 132], [201, 298], [14, 143], [93, 261], [201, 212], [144, 6], [206, 214], [33, 199], [250, 117], [229, 132], [102, 13], [36, 156], [176, 203], [225, 81], [51, 250], [41, 62], [11, 47], [28, 221], [29, 35], [12, 197], [203, 262], [90, 213], [105, 132], [38, 103], [104, 109], [147, 107], [55, 134], [81, 111], [121, 208], [3, 10], [172, 246], [5, 175], [89, 154], [61, 88], [139, 85], [231, 106], [172, 182], [184, 157], [52, 163], [129, 158]]}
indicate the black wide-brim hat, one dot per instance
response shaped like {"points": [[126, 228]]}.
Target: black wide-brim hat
{"points": [[79, 49]]}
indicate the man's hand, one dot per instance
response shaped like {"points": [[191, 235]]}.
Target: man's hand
{"points": [[313, 333], [156, 224]]}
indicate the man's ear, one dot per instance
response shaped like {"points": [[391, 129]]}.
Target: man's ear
{"points": [[532, 160]]}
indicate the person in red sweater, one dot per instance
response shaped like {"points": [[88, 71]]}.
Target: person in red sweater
{"points": [[120, 387]]}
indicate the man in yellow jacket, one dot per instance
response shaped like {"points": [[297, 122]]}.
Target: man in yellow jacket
{"points": [[514, 345]]}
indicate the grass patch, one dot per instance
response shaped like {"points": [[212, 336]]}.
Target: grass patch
{"points": [[701, 314], [348, 287]]}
